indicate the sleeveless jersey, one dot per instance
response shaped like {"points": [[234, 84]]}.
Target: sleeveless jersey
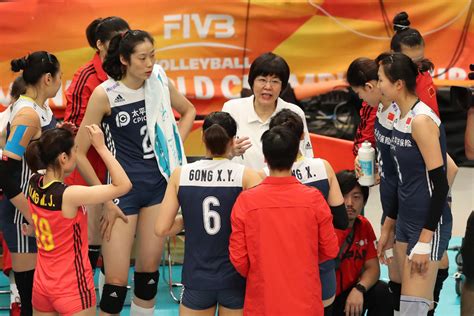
{"points": [[311, 172], [62, 267], [126, 133], [207, 192], [383, 128], [47, 120], [414, 189]]}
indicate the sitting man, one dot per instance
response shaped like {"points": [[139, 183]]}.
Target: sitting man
{"points": [[358, 271]]}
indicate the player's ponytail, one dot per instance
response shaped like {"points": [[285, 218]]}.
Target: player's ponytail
{"points": [[219, 129], [43, 153]]}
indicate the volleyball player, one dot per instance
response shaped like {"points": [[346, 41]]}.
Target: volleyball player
{"points": [[423, 217], [119, 104], [29, 116], [206, 191], [99, 33], [63, 281]]}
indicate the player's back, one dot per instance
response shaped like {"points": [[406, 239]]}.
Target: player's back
{"points": [[207, 192], [62, 267]]}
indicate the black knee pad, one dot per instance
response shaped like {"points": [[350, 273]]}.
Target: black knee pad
{"points": [[113, 297], [396, 291], [146, 285]]}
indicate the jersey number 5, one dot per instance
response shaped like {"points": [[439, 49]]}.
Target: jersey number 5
{"points": [[44, 235], [212, 219]]}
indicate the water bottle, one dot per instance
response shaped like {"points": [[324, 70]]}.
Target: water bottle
{"points": [[367, 164]]}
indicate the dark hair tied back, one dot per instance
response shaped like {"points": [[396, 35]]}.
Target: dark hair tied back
{"points": [[401, 22]]}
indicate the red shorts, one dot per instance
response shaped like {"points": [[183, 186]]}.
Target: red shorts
{"points": [[66, 305], [75, 177]]}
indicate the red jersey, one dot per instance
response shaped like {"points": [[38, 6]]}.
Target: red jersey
{"points": [[280, 231], [62, 268], [85, 80], [356, 254], [426, 91]]}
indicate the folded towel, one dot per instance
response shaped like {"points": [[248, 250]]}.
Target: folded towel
{"points": [[161, 124]]}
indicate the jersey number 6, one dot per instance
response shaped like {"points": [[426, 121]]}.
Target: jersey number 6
{"points": [[210, 215]]}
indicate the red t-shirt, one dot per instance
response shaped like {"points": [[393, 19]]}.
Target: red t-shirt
{"points": [[426, 91], [85, 80], [280, 230], [353, 258], [62, 268]]}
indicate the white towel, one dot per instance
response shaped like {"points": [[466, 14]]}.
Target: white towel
{"points": [[161, 124]]}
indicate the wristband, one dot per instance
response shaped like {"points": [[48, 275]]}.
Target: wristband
{"points": [[421, 248]]}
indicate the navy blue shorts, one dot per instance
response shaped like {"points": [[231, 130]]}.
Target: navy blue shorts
{"points": [[204, 299], [142, 194], [327, 276], [11, 220], [409, 232]]}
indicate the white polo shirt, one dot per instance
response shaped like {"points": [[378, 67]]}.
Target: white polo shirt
{"points": [[249, 124]]}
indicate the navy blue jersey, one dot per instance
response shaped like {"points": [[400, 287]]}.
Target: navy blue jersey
{"points": [[311, 172], [414, 189], [126, 132], [207, 192], [47, 121], [383, 128]]}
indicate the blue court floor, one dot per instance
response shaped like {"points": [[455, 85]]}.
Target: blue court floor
{"points": [[449, 301]]}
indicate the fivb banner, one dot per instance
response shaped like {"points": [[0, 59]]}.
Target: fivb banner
{"points": [[207, 46]]}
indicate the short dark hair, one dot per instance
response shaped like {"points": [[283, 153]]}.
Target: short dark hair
{"points": [[289, 119], [269, 64], [219, 129], [123, 45], [35, 65], [361, 71], [398, 66], [104, 29], [348, 181], [280, 148]]}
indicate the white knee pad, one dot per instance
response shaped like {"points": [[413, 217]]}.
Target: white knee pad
{"points": [[414, 306]]}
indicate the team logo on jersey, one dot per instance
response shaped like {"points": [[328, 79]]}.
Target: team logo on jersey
{"points": [[308, 145], [122, 119], [119, 99], [391, 116]]}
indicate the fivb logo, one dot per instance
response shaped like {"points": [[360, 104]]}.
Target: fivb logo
{"points": [[223, 25], [122, 119]]}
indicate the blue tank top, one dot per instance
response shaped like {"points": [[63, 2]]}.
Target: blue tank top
{"points": [[207, 192], [126, 133], [383, 128], [414, 189]]}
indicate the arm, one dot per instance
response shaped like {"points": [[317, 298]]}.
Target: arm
{"points": [[77, 195], [250, 178], [24, 127], [371, 273], [97, 108], [77, 96], [169, 206], [365, 129], [469, 134], [327, 238], [237, 243], [452, 169], [336, 200], [184, 108]]}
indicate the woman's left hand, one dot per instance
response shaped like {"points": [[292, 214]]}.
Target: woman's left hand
{"points": [[69, 126]]}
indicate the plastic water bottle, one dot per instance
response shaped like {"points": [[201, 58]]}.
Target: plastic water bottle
{"points": [[367, 164]]}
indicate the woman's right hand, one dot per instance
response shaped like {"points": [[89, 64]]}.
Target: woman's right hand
{"points": [[96, 136], [386, 240], [110, 213]]}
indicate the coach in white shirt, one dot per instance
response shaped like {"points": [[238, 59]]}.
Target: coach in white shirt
{"points": [[268, 77]]}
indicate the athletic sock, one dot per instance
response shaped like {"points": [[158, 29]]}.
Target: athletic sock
{"points": [[136, 310], [24, 283]]}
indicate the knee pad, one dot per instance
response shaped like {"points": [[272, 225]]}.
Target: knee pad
{"points": [[112, 299], [396, 291], [412, 305], [146, 285]]}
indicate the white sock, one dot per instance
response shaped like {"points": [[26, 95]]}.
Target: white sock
{"points": [[101, 283], [136, 310], [14, 296], [396, 313]]}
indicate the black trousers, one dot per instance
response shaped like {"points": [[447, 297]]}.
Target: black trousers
{"points": [[377, 301]]}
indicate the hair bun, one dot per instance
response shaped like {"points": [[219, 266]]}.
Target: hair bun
{"points": [[400, 21], [19, 64]]}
